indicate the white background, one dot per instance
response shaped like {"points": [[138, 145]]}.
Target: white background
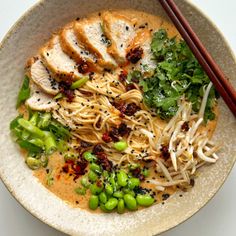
{"points": [[216, 219]]}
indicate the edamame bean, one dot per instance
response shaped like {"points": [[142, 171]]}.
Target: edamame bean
{"points": [[93, 202], [134, 166], [131, 192], [103, 208], [122, 178], [118, 194], [80, 191], [133, 182], [88, 156], [109, 189], [96, 168], [121, 206], [120, 146], [84, 181], [103, 197], [130, 202], [95, 189], [144, 200], [92, 176], [111, 203], [33, 163]]}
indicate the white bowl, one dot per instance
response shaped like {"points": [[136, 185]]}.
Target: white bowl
{"points": [[22, 41]]}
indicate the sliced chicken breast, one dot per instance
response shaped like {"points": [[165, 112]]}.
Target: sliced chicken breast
{"points": [[42, 77], [143, 40], [71, 46], [120, 31], [58, 62], [91, 34], [39, 100]]}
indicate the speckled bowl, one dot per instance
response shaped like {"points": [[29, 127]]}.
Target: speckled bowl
{"points": [[23, 40]]}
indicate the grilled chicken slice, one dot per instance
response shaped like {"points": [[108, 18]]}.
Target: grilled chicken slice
{"points": [[71, 46], [42, 77], [120, 31], [90, 33], [59, 63], [39, 100], [143, 40]]}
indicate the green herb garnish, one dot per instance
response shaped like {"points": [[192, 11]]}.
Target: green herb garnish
{"points": [[40, 136], [24, 92], [177, 74]]}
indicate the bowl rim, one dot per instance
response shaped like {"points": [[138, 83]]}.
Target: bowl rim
{"points": [[60, 228]]}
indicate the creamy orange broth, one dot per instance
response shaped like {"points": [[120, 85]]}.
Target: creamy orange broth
{"points": [[64, 185]]}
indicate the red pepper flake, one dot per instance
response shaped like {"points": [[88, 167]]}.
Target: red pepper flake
{"points": [[123, 129], [99, 183], [65, 89], [165, 152], [65, 169], [121, 106], [104, 161], [83, 67], [114, 134], [106, 138], [123, 76], [131, 109], [137, 173], [185, 126], [134, 55], [98, 149], [130, 87]]}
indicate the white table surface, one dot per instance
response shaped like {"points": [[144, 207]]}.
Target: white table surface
{"points": [[215, 219]]}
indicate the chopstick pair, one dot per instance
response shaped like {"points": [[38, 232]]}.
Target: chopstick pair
{"points": [[222, 85]]}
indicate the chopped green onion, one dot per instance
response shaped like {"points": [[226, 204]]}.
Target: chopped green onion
{"points": [[34, 119], [58, 130], [24, 92], [62, 146], [31, 128], [44, 120], [49, 178], [14, 123], [31, 148], [33, 163], [50, 143], [58, 96], [37, 142], [79, 83], [25, 134]]}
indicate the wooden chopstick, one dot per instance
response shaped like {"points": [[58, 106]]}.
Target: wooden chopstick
{"points": [[213, 71]]}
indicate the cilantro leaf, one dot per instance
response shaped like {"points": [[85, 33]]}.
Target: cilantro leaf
{"points": [[177, 74]]}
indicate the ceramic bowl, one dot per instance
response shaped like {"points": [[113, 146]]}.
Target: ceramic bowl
{"points": [[22, 41]]}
